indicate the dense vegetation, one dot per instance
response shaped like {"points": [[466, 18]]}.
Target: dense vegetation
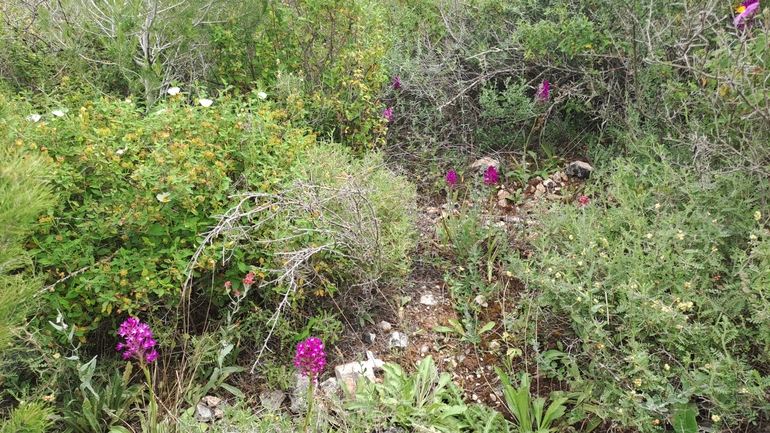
{"points": [[230, 172]]}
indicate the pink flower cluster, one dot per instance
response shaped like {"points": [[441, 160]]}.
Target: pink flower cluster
{"points": [[388, 114], [583, 201], [139, 343], [451, 178], [490, 176], [249, 279], [396, 83], [310, 358]]}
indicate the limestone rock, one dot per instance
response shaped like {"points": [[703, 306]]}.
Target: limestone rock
{"points": [[203, 413], [330, 387], [272, 400], [368, 338], [579, 169], [349, 374], [211, 401], [398, 340], [481, 165], [427, 299]]}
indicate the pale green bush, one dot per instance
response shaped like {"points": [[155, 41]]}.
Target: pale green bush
{"points": [[658, 288]]}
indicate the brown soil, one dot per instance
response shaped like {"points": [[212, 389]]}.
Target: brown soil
{"points": [[471, 365]]}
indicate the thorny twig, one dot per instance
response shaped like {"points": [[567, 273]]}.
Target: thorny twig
{"points": [[341, 216]]}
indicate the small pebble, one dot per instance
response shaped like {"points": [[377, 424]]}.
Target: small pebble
{"points": [[368, 337]]}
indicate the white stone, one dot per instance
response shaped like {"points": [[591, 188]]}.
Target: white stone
{"points": [[481, 165], [579, 169], [398, 340], [349, 374], [330, 387], [272, 400], [427, 299], [211, 401], [203, 413], [385, 326]]}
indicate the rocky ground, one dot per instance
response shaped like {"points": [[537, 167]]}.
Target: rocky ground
{"points": [[426, 301], [406, 332]]}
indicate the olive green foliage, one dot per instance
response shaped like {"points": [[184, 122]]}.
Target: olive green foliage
{"points": [[340, 223], [423, 400], [32, 417], [99, 404], [376, 205], [528, 412], [134, 191], [137, 47], [329, 51], [24, 193], [659, 287]]}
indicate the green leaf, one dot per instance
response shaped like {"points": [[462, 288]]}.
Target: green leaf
{"points": [[684, 418], [439, 328], [233, 390], [487, 327]]}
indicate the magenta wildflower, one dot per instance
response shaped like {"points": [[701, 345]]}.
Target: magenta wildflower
{"points": [[388, 114], [396, 83], [747, 10], [451, 178], [228, 286], [139, 343], [310, 358], [542, 91], [490, 176], [583, 201]]}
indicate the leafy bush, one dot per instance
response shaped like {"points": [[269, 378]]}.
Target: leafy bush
{"points": [[323, 57], [32, 417], [424, 400], [135, 191], [658, 288], [24, 194], [339, 225]]}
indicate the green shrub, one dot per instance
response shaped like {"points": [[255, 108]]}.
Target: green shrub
{"points": [[134, 192], [33, 417], [322, 57], [658, 287], [341, 227], [339, 223]]}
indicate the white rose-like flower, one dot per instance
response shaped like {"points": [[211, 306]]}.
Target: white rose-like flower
{"points": [[262, 95], [57, 113], [34, 117], [163, 198], [206, 102], [173, 91]]}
